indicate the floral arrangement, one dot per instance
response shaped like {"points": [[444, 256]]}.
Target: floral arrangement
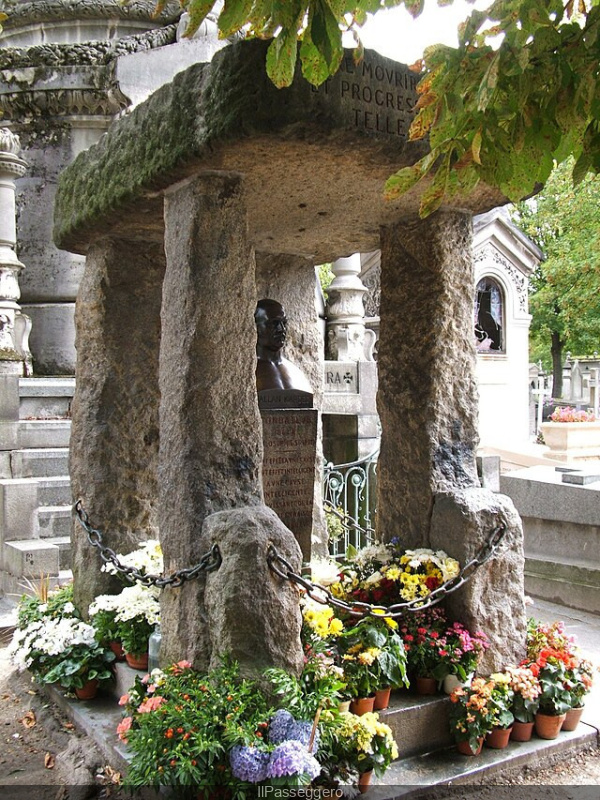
{"points": [[384, 574], [319, 621], [568, 414], [458, 652], [421, 632], [472, 712], [365, 743], [580, 680], [526, 691], [220, 731], [129, 616], [61, 649]]}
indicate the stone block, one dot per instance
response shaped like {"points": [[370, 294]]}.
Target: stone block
{"points": [[9, 398], [44, 433], [40, 462], [55, 491], [493, 598], [54, 521], [45, 398], [488, 469], [18, 509], [31, 558], [64, 550], [574, 585], [419, 724], [577, 478], [52, 338]]}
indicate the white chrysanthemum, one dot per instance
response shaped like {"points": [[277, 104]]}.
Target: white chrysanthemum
{"points": [[147, 558], [51, 637], [139, 601], [324, 571], [381, 553]]}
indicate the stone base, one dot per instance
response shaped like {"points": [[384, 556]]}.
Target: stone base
{"points": [[52, 339]]}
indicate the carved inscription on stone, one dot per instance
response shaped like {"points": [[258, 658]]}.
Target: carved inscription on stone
{"points": [[341, 376], [289, 439], [376, 96]]}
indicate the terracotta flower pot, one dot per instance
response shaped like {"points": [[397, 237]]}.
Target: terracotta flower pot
{"points": [[425, 686], [364, 781], [88, 691], [521, 731], [547, 726], [137, 660], [117, 649], [382, 698], [572, 719], [498, 738], [465, 748], [362, 705]]}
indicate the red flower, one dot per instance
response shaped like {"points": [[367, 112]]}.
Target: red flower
{"points": [[409, 637], [431, 582], [434, 635]]}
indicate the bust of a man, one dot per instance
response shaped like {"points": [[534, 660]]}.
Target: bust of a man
{"points": [[273, 371]]}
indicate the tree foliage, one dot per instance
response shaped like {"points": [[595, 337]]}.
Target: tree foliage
{"points": [[564, 221], [520, 92]]}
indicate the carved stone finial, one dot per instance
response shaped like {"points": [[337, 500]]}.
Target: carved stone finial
{"points": [[9, 142]]}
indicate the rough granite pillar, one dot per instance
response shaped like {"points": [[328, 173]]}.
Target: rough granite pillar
{"points": [[114, 433], [427, 397], [210, 428], [291, 281], [493, 600]]}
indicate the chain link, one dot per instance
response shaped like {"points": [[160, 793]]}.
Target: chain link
{"points": [[209, 562], [323, 595]]}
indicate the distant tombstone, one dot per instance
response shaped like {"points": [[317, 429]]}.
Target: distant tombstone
{"points": [[576, 382], [289, 421]]}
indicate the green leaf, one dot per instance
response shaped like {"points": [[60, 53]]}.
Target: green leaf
{"points": [[197, 9], [234, 16], [402, 181], [281, 58]]}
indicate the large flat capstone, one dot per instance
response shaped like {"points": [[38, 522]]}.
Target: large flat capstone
{"points": [[313, 161]]}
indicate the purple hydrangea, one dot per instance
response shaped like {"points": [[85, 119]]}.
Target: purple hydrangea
{"points": [[248, 763], [281, 722], [292, 758], [300, 731]]}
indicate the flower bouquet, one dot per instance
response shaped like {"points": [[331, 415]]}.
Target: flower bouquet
{"points": [[131, 616], [472, 714], [459, 652], [526, 691]]}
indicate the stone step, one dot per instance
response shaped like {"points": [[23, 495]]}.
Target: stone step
{"points": [[575, 585], [419, 723], [54, 491], [40, 462], [447, 767], [18, 508], [54, 521], [45, 398], [43, 433]]}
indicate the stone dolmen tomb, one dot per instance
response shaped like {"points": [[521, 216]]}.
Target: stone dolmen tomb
{"points": [[218, 191]]}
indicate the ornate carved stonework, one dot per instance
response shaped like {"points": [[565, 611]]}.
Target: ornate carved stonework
{"points": [[490, 253], [63, 103], [46, 10], [372, 300]]}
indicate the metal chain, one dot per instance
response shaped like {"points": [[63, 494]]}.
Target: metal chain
{"points": [[208, 563], [323, 595]]}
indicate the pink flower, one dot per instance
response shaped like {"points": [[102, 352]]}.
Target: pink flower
{"points": [[151, 704], [123, 727], [124, 699], [184, 664]]}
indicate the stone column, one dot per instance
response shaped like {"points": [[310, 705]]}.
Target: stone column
{"points": [[11, 168], [427, 398], [345, 311], [114, 435], [210, 429], [291, 281]]}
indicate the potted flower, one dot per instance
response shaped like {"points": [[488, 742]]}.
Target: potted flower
{"points": [[501, 703], [130, 618], [459, 654], [366, 744], [472, 715], [63, 650], [579, 683], [526, 691], [103, 616], [551, 669]]}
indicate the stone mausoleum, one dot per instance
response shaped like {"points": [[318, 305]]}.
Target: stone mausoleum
{"points": [[217, 190]]}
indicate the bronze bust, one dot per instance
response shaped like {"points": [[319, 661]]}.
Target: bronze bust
{"points": [[273, 371]]}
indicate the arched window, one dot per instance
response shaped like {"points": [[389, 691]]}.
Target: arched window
{"points": [[489, 317]]}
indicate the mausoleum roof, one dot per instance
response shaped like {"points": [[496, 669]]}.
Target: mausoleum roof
{"points": [[314, 161]]}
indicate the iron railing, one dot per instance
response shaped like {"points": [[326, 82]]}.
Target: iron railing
{"points": [[349, 499]]}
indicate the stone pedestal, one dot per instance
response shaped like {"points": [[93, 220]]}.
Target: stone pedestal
{"points": [[289, 441], [345, 312], [210, 430], [114, 433], [427, 398]]}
